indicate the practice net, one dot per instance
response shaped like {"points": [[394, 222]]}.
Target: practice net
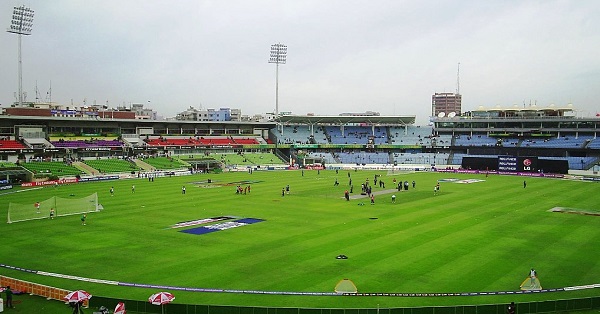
{"points": [[62, 207], [531, 283], [345, 286]]}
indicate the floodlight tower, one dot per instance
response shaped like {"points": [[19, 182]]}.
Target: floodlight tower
{"points": [[21, 24], [278, 56]]}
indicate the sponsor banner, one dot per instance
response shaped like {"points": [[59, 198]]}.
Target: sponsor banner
{"points": [[78, 278], [591, 178], [448, 180], [18, 268], [582, 287], [102, 178], [306, 145], [469, 181], [49, 182], [386, 294], [63, 112], [199, 222], [96, 149], [527, 164], [507, 163], [222, 226], [6, 187], [146, 148], [514, 173]]}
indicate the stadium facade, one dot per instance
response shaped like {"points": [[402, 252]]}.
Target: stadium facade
{"points": [[555, 139]]}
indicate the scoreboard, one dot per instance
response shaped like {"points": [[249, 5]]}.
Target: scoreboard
{"points": [[517, 164]]}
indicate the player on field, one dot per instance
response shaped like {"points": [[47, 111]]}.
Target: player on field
{"points": [[532, 275]]}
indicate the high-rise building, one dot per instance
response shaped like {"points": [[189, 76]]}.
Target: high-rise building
{"points": [[446, 103]]}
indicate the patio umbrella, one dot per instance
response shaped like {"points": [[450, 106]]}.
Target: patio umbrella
{"points": [[120, 308], [161, 299], [77, 296]]}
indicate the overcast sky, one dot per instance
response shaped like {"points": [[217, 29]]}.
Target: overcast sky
{"points": [[343, 56]]}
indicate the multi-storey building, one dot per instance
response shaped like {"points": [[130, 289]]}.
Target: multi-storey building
{"points": [[446, 103]]}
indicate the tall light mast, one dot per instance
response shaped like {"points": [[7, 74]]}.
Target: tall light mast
{"points": [[458, 80], [278, 56], [21, 24]]}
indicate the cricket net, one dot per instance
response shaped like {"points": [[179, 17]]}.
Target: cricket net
{"points": [[62, 207]]}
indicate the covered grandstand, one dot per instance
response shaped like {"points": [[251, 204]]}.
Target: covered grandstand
{"points": [[298, 141]]}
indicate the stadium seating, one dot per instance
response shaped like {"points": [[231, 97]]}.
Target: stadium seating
{"points": [[263, 159], [443, 141], [294, 134], [413, 135], [361, 157], [510, 142], [355, 135], [201, 141], [327, 157], [112, 165], [86, 143], [475, 141], [576, 163], [5, 164], [421, 158], [556, 142], [381, 135], [246, 158], [51, 167], [11, 144], [593, 143], [162, 163]]}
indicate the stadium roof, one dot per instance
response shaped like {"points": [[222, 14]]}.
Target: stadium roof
{"points": [[340, 120], [528, 108], [12, 171]]}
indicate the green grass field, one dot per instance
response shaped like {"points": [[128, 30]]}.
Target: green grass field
{"points": [[482, 236]]}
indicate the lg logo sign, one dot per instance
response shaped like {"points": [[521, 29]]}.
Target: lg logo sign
{"points": [[526, 164]]}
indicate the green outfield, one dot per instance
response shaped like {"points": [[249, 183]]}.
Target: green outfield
{"points": [[470, 237]]}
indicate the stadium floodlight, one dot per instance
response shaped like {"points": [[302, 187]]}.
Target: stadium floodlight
{"points": [[278, 56], [21, 24]]}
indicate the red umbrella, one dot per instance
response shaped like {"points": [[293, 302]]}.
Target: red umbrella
{"points": [[77, 296], [161, 299], [120, 308]]}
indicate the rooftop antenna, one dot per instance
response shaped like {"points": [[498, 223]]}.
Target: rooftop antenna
{"points": [[49, 94], [37, 93], [458, 80]]}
